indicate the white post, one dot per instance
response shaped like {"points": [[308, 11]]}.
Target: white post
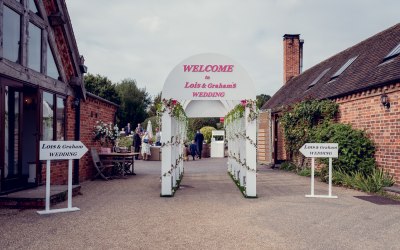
{"points": [[60, 210], [243, 152], [47, 185], [70, 184], [251, 155], [166, 185], [173, 152], [312, 177], [330, 177]]}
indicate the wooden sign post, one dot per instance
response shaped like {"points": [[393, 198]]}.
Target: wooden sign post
{"points": [[320, 150], [60, 150]]}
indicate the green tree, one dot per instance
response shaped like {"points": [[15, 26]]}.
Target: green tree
{"points": [[262, 99], [197, 123], [134, 103], [153, 107], [101, 86]]}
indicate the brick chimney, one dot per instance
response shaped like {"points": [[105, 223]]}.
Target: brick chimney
{"points": [[292, 56]]}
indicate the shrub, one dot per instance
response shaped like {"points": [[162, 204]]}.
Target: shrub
{"points": [[207, 132], [305, 172], [372, 183], [125, 141], [288, 166], [299, 122], [356, 150]]}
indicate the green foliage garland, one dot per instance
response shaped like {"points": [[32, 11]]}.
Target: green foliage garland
{"points": [[173, 107]]}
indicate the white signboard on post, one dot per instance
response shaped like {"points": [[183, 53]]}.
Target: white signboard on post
{"points": [[60, 150], [320, 150], [208, 76]]}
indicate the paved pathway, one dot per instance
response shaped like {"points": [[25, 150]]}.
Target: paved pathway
{"points": [[208, 212]]}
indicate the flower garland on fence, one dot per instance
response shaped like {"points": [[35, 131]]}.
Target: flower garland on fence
{"points": [[243, 164], [173, 107], [173, 167], [242, 134], [171, 142], [239, 110]]}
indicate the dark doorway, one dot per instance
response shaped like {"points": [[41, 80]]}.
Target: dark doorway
{"points": [[18, 141]]}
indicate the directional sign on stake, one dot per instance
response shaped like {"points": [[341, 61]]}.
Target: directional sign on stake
{"points": [[60, 150], [320, 150]]}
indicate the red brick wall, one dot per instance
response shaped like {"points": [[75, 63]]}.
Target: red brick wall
{"points": [[92, 110], [365, 111], [291, 56]]}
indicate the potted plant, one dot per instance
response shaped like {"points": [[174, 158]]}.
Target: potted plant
{"points": [[105, 133]]}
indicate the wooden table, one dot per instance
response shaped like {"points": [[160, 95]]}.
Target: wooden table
{"points": [[124, 163]]}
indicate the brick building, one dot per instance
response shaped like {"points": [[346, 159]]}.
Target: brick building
{"points": [[42, 96], [363, 79]]}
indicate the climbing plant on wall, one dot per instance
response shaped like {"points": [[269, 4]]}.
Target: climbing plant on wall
{"points": [[299, 122]]}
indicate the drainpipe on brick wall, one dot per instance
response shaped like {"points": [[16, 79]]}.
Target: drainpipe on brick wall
{"points": [[77, 104]]}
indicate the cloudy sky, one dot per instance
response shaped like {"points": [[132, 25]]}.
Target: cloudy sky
{"points": [[146, 39]]}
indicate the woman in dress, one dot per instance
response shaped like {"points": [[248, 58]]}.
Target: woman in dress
{"points": [[145, 145]]}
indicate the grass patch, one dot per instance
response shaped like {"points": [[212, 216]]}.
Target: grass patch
{"points": [[242, 189]]}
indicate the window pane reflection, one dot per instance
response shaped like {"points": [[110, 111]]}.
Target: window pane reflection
{"points": [[34, 47], [32, 7], [48, 116], [11, 34], [11, 142], [60, 118], [52, 70]]}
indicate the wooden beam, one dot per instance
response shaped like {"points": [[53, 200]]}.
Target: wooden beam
{"points": [[24, 74], [52, 42], [16, 6], [69, 35], [37, 20], [1, 31], [56, 19], [24, 37], [43, 53]]}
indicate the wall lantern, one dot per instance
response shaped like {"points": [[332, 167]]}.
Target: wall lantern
{"points": [[75, 103], [385, 101]]}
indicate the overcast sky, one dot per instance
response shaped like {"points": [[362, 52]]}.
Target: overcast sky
{"points": [[145, 40]]}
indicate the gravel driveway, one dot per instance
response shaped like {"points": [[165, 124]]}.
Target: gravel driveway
{"points": [[208, 212]]}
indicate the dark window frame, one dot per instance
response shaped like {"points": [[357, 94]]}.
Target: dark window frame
{"points": [[37, 20]]}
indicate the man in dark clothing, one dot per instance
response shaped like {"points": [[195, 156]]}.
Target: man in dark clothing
{"points": [[199, 138], [128, 129], [137, 141], [193, 149]]}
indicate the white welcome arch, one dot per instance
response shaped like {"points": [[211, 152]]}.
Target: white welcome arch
{"points": [[208, 85]]}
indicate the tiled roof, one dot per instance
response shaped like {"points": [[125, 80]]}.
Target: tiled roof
{"points": [[367, 71]]}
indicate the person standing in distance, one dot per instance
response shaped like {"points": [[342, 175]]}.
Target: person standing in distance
{"points": [[137, 142], [128, 129], [199, 138], [158, 137]]}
